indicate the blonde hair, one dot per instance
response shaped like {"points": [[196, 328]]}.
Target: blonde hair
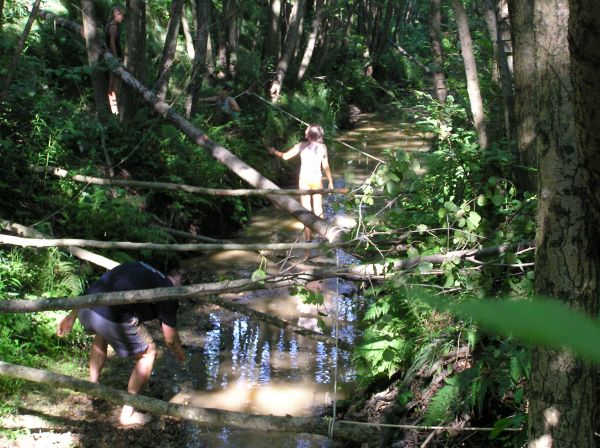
{"points": [[314, 133]]}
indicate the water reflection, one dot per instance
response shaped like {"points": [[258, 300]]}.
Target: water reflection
{"points": [[248, 366]]}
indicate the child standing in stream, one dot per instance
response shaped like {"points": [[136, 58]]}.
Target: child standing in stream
{"points": [[313, 161]]}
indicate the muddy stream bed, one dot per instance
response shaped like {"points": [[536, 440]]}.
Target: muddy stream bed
{"points": [[235, 363]]}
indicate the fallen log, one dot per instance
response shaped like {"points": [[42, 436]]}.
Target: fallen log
{"points": [[187, 247], [138, 296], [59, 172], [206, 416], [204, 292], [319, 225], [82, 254]]}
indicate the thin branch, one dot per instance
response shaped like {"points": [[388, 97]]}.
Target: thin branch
{"points": [[82, 254], [127, 245], [186, 188]]}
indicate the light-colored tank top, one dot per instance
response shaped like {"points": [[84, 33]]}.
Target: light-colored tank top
{"points": [[311, 156]]}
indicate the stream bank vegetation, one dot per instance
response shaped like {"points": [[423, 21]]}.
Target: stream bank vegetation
{"points": [[443, 359]]}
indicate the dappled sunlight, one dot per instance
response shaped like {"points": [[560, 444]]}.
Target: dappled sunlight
{"points": [[297, 399], [551, 420]]}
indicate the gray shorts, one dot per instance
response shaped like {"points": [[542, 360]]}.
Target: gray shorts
{"points": [[126, 338]]}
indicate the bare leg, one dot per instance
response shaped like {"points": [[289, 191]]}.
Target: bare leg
{"points": [[97, 357], [139, 376], [112, 94], [318, 205], [306, 203]]}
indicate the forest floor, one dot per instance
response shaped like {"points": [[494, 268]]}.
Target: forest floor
{"points": [[51, 417]]}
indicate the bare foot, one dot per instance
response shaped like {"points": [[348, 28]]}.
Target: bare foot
{"points": [[131, 417]]}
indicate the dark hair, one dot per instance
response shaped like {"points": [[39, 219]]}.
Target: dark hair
{"points": [[114, 9], [315, 133]]}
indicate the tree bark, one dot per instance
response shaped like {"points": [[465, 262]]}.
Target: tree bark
{"points": [[383, 30], [232, 36], [291, 41], [210, 417], [505, 75], [187, 34], [312, 39], [200, 55], [273, 46], [169, 49], [12, 68], [584, 22], [562, 392], [94, 53], [135, 54], [435, 36], [521, 20], [82, 254], [466, 43]]}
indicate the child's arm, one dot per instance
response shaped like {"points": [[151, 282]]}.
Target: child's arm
{"points": [[294, 151]]}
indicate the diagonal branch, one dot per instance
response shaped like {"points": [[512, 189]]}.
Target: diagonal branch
{"points": [[220, 153]]}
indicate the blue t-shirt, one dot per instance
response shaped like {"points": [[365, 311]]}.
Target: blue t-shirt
{"points": [[130, 277]]}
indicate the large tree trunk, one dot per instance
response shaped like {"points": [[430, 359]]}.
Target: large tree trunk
{"points": [[187, 35], [291, 41], [273, 45], [17, 55], [210, 417], [505, 75], [383, 31], [169, 49], [521, 19], [135, 54], [312, 39], [199, 64], [466, 43], [94, 53], [435, 35], [232, 36], [562, 393]]}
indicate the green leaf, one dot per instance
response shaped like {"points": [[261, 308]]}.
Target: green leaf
{"points": [[450, 206], [412, 252], [425, 267], [473, 220], [258, 275], [481, 200], [498, 199], [538, 321]]}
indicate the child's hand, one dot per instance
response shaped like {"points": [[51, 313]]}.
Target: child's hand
{"points": [[272, 150]]}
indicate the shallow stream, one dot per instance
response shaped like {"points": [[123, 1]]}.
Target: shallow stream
{"points": [[239, 364]]}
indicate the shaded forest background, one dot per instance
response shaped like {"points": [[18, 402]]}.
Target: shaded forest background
{"points": [[506, 99]]}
